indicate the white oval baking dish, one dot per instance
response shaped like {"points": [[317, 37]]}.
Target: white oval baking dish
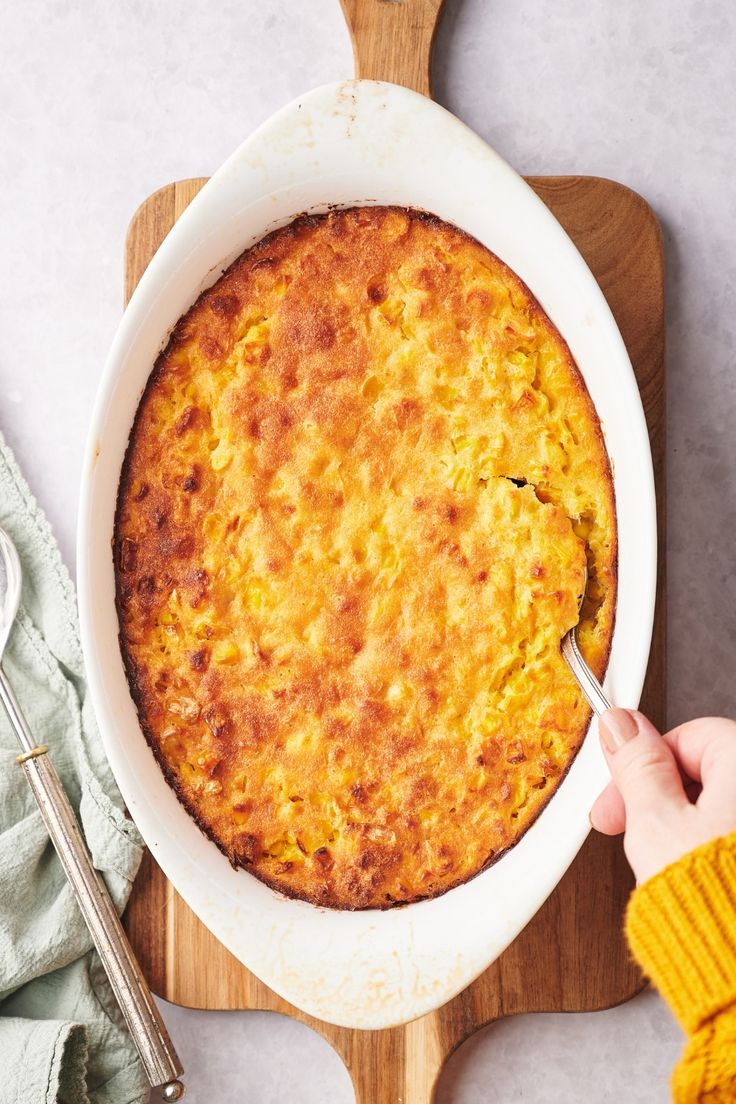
{"points": [[350, 143]]}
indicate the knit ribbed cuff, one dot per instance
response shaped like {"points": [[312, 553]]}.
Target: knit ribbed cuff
{"points": [[681, 927]]}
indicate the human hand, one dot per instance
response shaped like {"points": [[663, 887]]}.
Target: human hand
{"points": [[669, 793]]}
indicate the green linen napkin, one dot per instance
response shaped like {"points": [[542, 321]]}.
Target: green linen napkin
{"points": [[62, 1036]]}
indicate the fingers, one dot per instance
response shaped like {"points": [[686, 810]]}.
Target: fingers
{"points": [[608, 814], [642, 764], [657, 779], [706, 750]]}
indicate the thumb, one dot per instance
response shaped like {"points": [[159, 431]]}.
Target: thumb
{"points": [[641, 763]]}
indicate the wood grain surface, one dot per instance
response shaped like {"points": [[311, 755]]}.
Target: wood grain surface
{"points": [[392, 40], [571, 956]]}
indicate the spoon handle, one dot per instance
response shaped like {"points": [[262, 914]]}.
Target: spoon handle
{"points": [[159, 1058], [586, 680]]}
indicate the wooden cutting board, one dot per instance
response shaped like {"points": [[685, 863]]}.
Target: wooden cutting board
{"points": [[571, 956]]}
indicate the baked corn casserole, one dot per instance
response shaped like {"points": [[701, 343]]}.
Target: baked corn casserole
{"points": [[363, 486]]}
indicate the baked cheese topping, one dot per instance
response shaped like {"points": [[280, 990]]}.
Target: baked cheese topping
{"points": [[352, 529]]}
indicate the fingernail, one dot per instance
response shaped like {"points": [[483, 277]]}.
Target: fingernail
{"points": [[617, 726]]}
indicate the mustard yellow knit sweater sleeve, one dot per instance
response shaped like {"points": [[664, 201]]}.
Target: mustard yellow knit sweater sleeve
{"points": [[681, 927]]}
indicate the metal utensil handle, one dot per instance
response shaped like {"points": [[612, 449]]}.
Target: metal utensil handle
{"points": [[586, 680], [147, 1029]]}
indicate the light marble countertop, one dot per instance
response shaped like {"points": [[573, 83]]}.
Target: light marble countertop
{"points": [[103, 103]]}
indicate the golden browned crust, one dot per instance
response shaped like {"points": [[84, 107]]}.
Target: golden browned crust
{"points": [[352, 527]]}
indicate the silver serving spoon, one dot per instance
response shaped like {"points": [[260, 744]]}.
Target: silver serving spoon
{"points": [[160, 1060], [586, 680]]}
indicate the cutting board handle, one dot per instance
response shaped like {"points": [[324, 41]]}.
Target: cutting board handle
{"points": [[392, 39]]}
